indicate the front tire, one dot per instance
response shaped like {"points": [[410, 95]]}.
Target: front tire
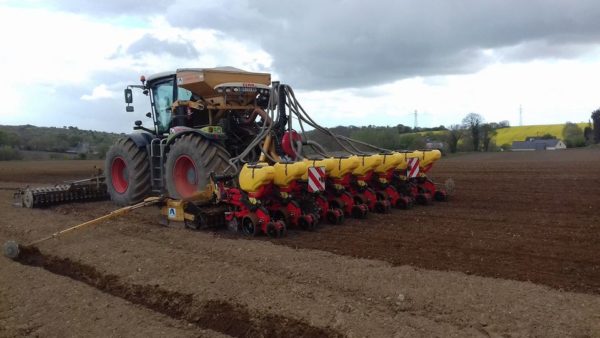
{"points": [[127, 172], [189, 163]]}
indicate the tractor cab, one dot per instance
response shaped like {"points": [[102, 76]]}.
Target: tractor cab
{"points": [[196, 98], [162, 90]]}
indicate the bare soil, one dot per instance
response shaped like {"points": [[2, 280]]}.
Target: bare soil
{"points": [[525, 216], [514, 253]]}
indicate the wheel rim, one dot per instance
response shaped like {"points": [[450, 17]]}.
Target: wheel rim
{"points": [[185, 176], [119, 175]]}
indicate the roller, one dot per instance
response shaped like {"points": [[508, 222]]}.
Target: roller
{"points": [[83, 190]]}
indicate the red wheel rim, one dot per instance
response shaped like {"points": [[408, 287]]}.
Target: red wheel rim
{"points": [[185, 176], [118, 172]]}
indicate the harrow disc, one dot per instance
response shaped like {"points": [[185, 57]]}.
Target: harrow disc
{"points": [[424, 198], [360, 211], [11, 249], [382, 206], [404, 203], [276, 229], [335, 216], [449, 186], [307, 222], [440, 196], [27, 199]]}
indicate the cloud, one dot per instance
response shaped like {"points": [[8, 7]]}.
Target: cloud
{"points": [[350, 61], [148, 44], [543, 49], [110, 8], [99, 92], [338, 44], [342, 44]]}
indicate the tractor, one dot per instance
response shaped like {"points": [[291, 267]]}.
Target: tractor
{"points": [[201, 119], [222, 140], [225, 136]]}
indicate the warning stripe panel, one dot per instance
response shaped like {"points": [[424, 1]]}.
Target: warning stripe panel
{"points": [[316, 179], [413, 167]]}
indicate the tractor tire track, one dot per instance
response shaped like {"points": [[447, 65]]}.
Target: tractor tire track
{"points": [[218, 315]]}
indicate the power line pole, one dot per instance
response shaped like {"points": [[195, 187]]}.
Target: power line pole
{"points": [[415, 120], [520, 115]]}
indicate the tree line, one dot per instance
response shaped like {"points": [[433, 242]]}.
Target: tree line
{"points": [[472, 134], [89, 143]]}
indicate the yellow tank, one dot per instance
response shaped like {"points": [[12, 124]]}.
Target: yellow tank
{"points": [[327, 163], [404, 156], [426, 157], [389, 161], [343, 166], [285, 173], [252, 177], [366, 164]]}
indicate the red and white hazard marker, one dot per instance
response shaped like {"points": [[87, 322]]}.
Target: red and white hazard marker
{"points": [[316, 179], [413, 167]]}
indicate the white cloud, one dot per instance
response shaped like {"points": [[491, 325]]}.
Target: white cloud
{"points": [[67, 58], [99, 92], [550, 92], [64, 60]]}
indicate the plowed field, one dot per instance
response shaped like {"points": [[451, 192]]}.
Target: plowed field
{"points": [[513, 253]]}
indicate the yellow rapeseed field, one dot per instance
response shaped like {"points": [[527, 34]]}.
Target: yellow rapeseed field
{"points": [[508, 135]]}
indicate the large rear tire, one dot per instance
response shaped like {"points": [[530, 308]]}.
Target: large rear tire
{"points": [[189, 163], [127, 172]]}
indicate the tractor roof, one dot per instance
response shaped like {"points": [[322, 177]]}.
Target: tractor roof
{"points": [[159, 75], [171, 73]]}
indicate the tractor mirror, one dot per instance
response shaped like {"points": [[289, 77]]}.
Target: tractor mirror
{"points": [[129, 109], [128, 96]]}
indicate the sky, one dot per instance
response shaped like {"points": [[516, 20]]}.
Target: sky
{"points": [[351, 62]]}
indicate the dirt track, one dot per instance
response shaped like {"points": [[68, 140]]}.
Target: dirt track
{"points": [[517, 217]]}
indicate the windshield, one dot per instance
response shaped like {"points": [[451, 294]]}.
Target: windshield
{"points": [[163, 99]]}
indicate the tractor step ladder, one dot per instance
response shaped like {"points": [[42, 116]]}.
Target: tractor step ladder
{"points": [[157, 154]]}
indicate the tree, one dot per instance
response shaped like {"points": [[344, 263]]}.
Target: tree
{"points": [[473, 122], [488, 131], [455, 133], [8, 153], [573, 135], [402, 129], [596, 119], [411, 141], [9, 138], [378, 136]]}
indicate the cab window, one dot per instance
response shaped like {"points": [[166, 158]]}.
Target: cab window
{"points": [[183, 94], [163, 99]]}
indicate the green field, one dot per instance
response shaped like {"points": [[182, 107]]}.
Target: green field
{"points": [[508, 135]]}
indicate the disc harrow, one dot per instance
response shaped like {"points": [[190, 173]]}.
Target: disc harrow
{"points": [[93, 189]]}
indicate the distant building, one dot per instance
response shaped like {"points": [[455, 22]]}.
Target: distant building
{"points": [[538, 144], [435, 145]]}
